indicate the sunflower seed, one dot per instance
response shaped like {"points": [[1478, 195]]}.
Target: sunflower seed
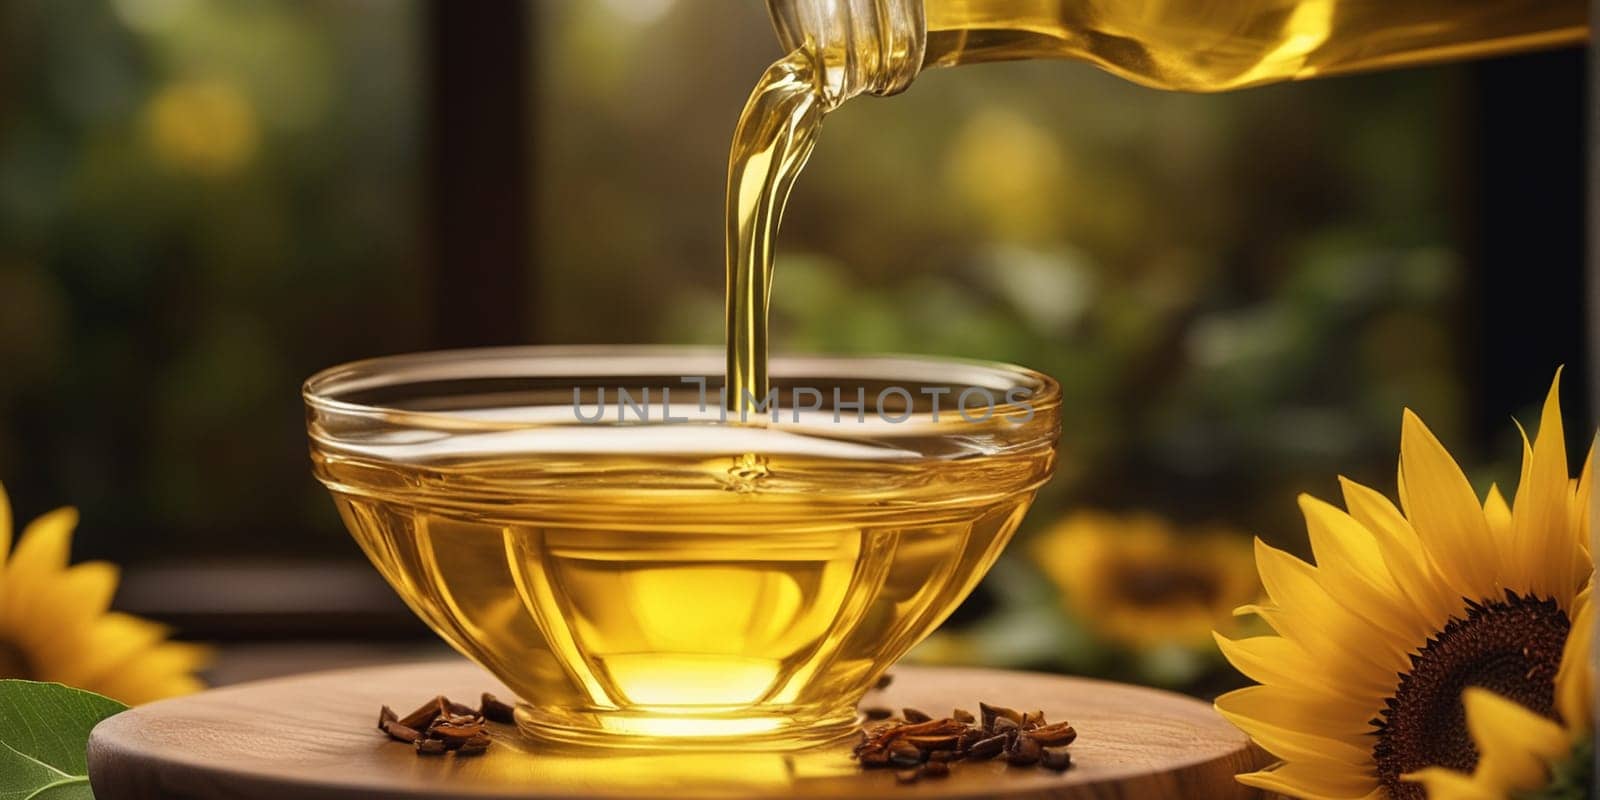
{"points": [[1056, 758], [1059, 733], [931, 727], [904, 754], [455, 731], [424, 715], [987, 748], [401, 733], [917, 746], [991, 713], [444, 725], [491, 708], [929, 743], [1024, 752]]}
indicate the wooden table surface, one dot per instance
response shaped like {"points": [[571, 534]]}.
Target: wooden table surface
{"points": [[313, 736]]}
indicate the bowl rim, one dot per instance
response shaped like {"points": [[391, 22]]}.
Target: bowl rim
{"points": [[321, 391]]}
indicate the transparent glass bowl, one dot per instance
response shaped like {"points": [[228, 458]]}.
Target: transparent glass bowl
{"points": [[662, 576]]}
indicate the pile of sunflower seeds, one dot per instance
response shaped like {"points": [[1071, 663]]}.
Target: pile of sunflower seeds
{"points": [[442, 725], [917, 746]]}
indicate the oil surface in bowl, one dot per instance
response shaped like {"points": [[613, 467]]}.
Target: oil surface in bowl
{"points": [[671, 591]]}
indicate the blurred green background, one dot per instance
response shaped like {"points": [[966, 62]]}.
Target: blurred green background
{"points": [[204, 201]]}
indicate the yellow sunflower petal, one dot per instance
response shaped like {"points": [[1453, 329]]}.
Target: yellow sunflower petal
{"points": [[1514, 744], [1276, 661], [1335, 717], [111, 641], [1324, 627], [1402, 551], [1498, 512], [1586, 475], [164, 668], [1374, 511], [1581, 510], [1446, 784], [1575, 679], [5, 526], [63, 609], [1314, 782], [40, 553], [1356, 679], [1540, 515], [46, 542], [1351, 568], [83, 591], [1527, 454], [1445, 512], [1297, 746]]}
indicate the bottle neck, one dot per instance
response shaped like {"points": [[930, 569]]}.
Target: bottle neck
{"points": [[859, 46]]}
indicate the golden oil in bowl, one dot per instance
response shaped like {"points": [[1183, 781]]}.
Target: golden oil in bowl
{"points": [[650, 583]]}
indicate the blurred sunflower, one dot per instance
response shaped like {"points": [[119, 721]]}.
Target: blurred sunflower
{"points": [[1137, 581], [1362, 685], [54, 623], [206, 127], [1522, 752]]}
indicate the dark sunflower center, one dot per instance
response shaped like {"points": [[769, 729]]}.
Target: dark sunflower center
{"points": [[1512, 648], [1165, 585], [13, 664]]}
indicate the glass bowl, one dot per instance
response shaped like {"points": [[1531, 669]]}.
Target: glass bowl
{"points": [[645, 569]]}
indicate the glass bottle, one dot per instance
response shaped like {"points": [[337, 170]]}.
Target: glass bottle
{"points": [[879, 46]]}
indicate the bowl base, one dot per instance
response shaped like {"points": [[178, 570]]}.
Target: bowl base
{"points": [[657, 731]]}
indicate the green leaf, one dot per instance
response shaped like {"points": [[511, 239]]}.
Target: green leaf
{"points": [[44, 730]]}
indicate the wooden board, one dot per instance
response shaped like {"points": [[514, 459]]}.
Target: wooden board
{"points": [[313, 736]]}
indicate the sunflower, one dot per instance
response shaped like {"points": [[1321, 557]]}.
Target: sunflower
{"points": [[204, 127], [54, 623], [1135, 580], [1522, 751], [1404, 609]]}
